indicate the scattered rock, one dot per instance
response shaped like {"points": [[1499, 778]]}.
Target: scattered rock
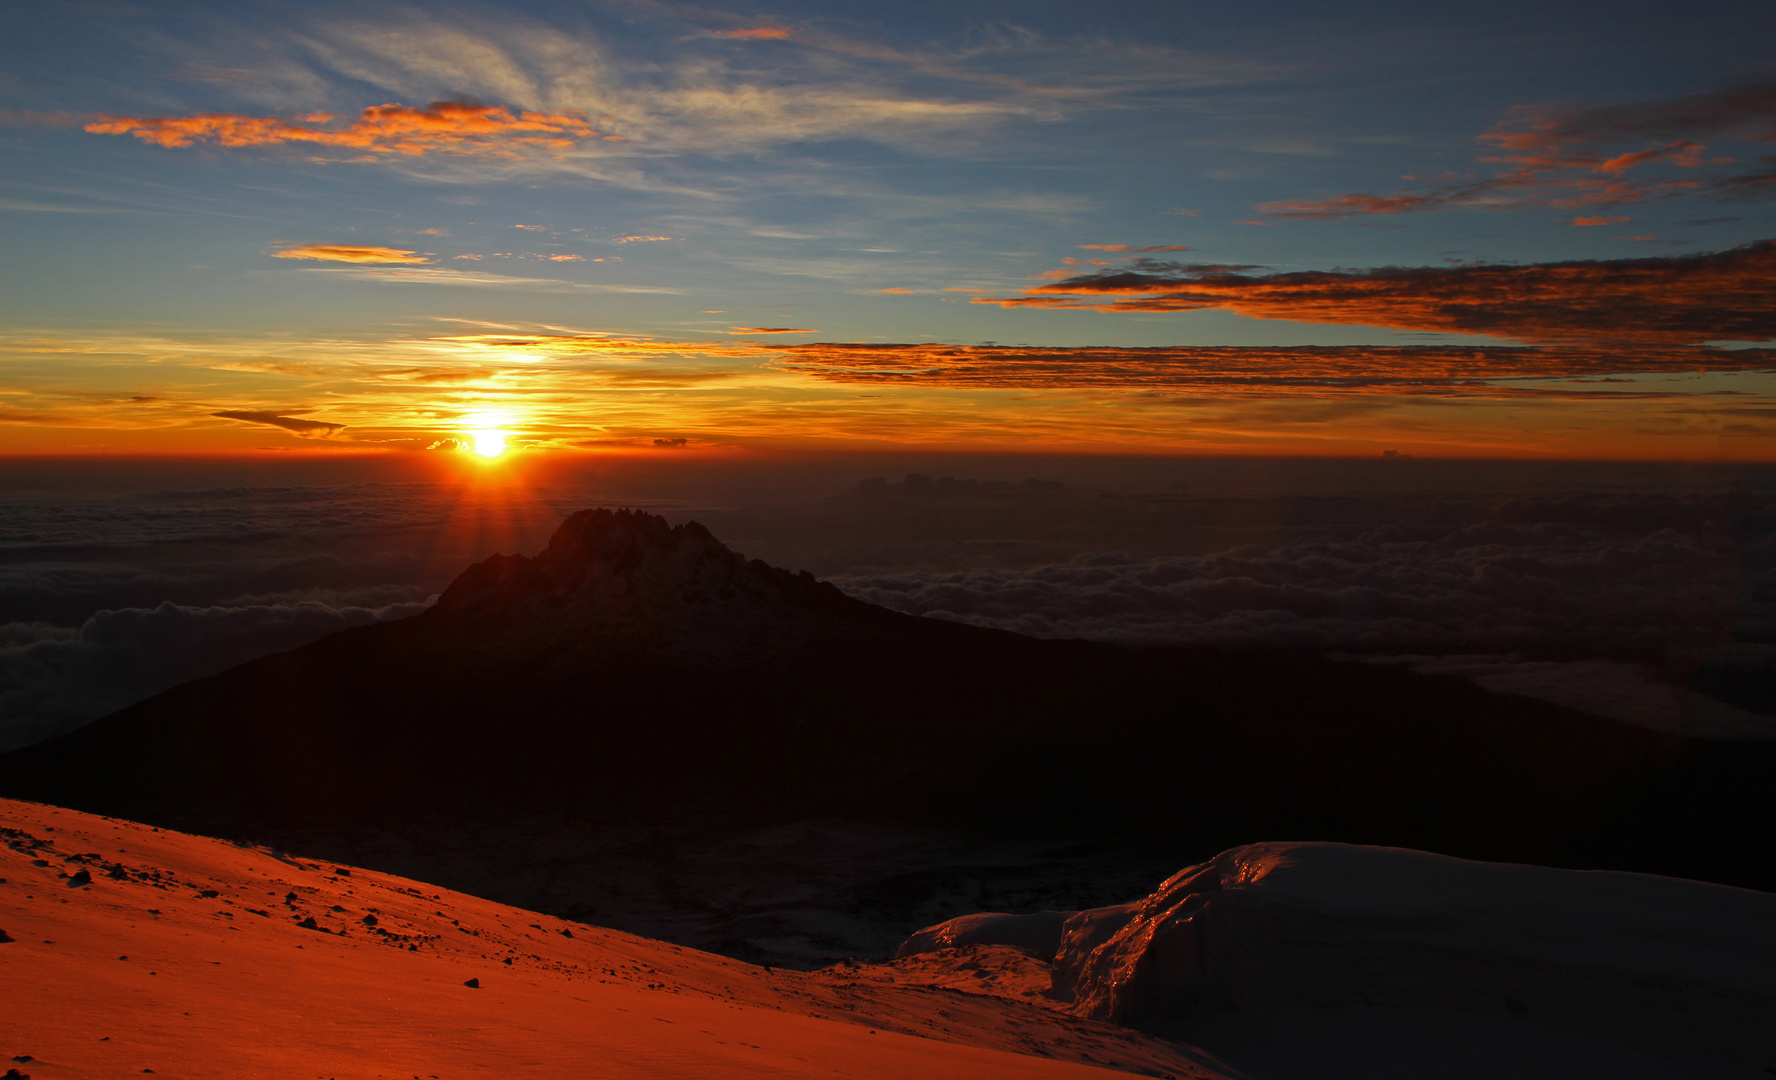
{"points": [[79, 878], [473, 984], [14, 1074], [6, 937], [309, 923], [369, 920]]}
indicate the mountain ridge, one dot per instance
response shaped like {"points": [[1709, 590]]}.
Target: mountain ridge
{"points": [[635, 670]]}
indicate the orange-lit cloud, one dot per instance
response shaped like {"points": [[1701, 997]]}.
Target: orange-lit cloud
{"points": [[1599, 220], [608, 392], [1727, 295], [1298, 371], [641, 239], [756, 33], [769, 330], [1571, 158], [349, 253], [1748, 110], [598, 345], [446, 127], [896, 291], [1133, 250]]}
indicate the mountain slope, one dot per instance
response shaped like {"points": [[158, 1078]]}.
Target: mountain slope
{"points": [[128, 950], [639, 671]]}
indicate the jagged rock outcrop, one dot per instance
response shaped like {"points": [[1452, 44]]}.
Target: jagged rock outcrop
{"points": [[1673, 967], [629, 580]]}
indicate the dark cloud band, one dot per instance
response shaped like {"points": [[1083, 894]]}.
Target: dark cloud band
{"points": [[304, 428], [1671, 300], [1350, 369]]}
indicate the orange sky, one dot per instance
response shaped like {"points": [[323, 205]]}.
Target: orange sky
{"points": [[586, 393], [388, 230]]}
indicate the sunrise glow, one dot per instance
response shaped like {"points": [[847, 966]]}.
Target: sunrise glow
{"points": [[488, 442], [683, 466]]}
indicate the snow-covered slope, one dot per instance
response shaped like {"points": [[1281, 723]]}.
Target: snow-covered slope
{"points": [[126, 950], [1675, 971]]}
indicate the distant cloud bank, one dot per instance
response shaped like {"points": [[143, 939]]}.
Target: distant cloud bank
{"points": [[1252, 369], [1567, 158], [55, 679], [1675, 300]]}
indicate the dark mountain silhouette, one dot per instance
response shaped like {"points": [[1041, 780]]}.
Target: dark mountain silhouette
{"points": [[638, 671]]}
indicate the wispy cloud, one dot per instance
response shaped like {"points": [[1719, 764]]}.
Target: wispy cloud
{"points": [[349, 253], [1150, 249], [1573, 158], [563, 93], [305, 428], [55, 208], [1293, 371], [1727, 295], [443, 127], [756, 33], [415, 275], [770, 330]]}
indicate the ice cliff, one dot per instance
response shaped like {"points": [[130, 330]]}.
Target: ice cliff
{"points": [[1675, 968]]}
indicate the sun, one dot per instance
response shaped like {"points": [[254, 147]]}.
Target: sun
{"points": [[488, 442]]}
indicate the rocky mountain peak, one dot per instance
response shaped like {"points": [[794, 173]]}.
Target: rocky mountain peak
{"points": [[630, 572]]}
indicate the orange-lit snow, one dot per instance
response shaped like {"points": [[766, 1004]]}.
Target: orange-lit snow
{"points": [[192, 957]]}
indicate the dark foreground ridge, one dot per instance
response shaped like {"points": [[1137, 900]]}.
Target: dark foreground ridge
{"points": [[638, 671]]}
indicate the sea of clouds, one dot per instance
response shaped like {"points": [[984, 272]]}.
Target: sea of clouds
{"points": [[1653, 606]]}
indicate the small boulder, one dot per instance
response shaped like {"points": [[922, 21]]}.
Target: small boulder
{"points": [[473, 984]]}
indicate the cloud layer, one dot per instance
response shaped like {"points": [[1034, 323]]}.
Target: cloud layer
{"points": [[1612, 604], [1569, 158], [1726, 295], [443, 127], [297, 425], [1249, 369], [53, 680], [351, 253], [103, 600], [1484, 587]]}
